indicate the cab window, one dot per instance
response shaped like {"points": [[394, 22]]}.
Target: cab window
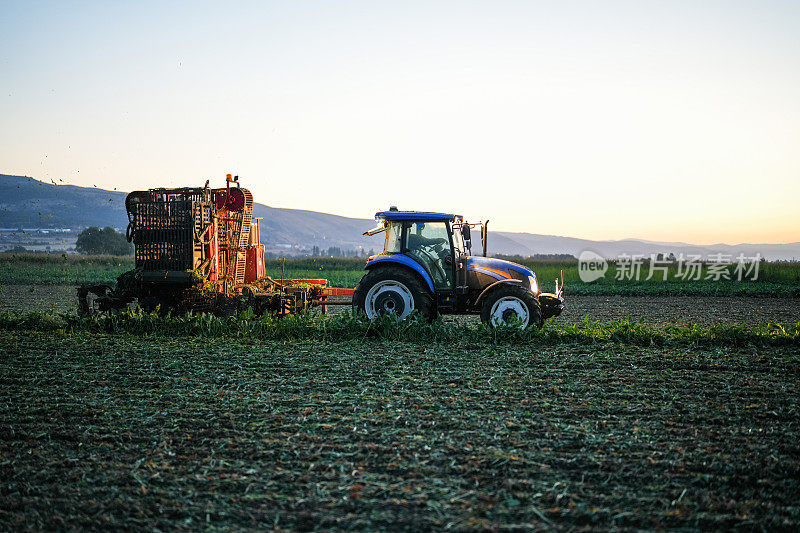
{"points": [[392, 244], [458, 240]]}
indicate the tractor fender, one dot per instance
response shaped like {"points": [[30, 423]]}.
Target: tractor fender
{"points": [[488, 289], [403, 260]]}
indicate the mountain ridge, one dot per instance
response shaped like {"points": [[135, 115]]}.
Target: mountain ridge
{"points": [[30, 203]]}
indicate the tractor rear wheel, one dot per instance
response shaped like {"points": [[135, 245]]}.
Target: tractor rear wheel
{"points": [[508, 303], [391, 289]]}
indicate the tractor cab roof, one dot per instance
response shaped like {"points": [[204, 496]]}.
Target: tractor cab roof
{"points": [[423, 216]]}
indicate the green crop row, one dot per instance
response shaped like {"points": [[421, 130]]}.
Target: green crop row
{"points": [[347, 326]]}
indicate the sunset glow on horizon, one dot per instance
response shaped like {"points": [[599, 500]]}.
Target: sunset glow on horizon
{"points": [[664, 121]]}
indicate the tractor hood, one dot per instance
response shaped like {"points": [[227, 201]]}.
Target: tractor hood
{"points": [[498, 268]]}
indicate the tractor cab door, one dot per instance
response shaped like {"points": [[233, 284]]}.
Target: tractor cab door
{"points": [[429, 244], [461, 250]]}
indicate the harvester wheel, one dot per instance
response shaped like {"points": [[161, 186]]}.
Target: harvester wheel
{"points": [[392, 289], [89, 297], [508, 302]]}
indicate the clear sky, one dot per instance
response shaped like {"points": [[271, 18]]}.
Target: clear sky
{"points": [[673, 120]]}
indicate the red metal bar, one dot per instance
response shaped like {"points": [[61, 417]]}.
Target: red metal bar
{"points": [[337, 291], [320, 282]]}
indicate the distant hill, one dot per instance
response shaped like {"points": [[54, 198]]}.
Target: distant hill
{"points": [[29, 203], [529, 244], [305, 229], [26, 202]]}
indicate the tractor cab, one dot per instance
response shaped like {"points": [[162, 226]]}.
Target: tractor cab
{"points": [[431, 244], [432, 253]]}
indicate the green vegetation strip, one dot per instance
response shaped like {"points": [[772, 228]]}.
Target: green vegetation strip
{"points": [[343, 327], [120, 432], [52, 269]]}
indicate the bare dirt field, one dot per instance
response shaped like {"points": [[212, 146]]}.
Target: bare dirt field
{"points": [[683, 309], [59, 298]]}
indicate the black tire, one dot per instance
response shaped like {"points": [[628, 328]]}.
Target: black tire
{"points": [[513, 297], [89, 297], [396, 288]]}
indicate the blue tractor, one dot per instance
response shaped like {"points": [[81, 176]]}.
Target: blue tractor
{"points": [[427, 265]]}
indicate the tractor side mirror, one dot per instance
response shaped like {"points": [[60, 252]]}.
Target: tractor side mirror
{"points": [[467, 234]]}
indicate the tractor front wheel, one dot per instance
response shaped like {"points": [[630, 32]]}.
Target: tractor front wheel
{"points": [[509, 304], [392, 290]]}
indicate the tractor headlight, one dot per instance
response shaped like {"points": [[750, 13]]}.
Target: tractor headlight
{"points": [[534, 284]]}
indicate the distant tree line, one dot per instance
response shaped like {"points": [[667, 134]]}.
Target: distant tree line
{"points": [[96, 241], [538, 257], [335, 251], [316, 251]]}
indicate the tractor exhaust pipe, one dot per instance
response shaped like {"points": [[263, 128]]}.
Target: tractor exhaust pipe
{"points": [[484, 235], [560, 288]]}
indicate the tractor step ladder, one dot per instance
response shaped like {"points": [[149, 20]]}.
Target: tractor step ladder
{"points": [[240, 261]]}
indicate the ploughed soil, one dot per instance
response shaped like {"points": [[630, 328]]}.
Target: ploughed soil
{"points": [[59, 298], [683, 309]]}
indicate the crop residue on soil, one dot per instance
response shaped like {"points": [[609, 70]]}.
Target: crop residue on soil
{"points": [[130, 432]]}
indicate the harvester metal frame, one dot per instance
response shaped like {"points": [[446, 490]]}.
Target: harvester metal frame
{"points": [[197, 249]]}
